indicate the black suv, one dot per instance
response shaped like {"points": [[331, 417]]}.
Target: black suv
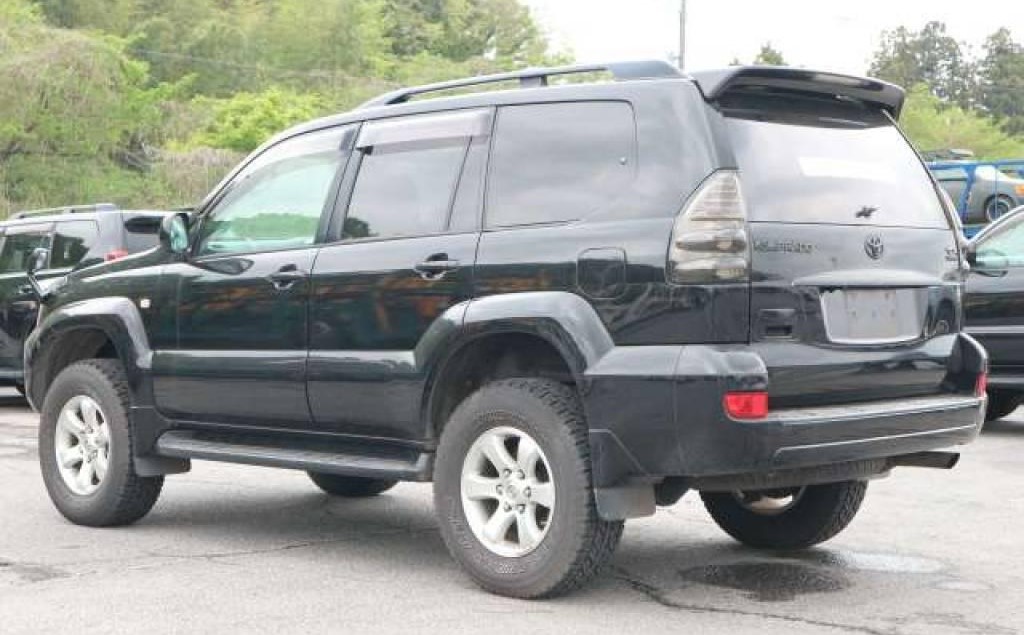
{"points": [[74, 236], [562, 304], [994, 308]]}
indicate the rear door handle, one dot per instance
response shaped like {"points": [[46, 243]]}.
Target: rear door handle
{"points": [[285, 277], [436, 266]]}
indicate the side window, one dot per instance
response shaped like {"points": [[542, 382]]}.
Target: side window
{"points": [[141, 232], [276, 202], [409, 173], [72, 240], [1003, 249], [18, 245], [469, 197], [559, 162]]}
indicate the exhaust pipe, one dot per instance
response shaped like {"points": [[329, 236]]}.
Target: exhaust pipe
{"points": [[937, 460]]}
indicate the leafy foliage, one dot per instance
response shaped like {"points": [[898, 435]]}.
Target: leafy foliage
{"points": [[245, 120], [769, 56], [149, 102], [932, 125], [930, 57], [1001, 80]]}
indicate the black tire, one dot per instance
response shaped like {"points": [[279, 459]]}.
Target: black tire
{"points": [[1001, 404], [997, 206], [578, 543], [821, 512], [351, 486], [123, 497]]}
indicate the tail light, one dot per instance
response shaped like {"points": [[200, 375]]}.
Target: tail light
{"points": [[709, 240], [981, 385], [746, 405], [115, 254]]}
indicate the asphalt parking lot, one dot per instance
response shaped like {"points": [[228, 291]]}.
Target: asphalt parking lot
{"points": [[241, 549]]}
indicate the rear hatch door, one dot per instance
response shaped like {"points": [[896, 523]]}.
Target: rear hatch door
{"points": [[854, 266]]}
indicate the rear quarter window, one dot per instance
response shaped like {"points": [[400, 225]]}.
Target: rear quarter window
{"points": [[72, 240], [141, 232], [559, 162], [819, 161]]}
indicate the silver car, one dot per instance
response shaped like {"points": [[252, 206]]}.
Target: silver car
{"points": [[992, 194]]}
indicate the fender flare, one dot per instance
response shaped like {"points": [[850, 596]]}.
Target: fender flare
{"points": [[562, 319], [117, 317]]}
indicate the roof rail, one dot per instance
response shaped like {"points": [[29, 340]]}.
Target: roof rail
{"points": [[67, 209], [535, 78]]}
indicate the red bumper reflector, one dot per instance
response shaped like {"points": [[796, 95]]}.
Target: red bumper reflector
{"points": [[115, 254], [981, 385], [746, 405]]}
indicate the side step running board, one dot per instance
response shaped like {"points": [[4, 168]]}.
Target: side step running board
{"points": [[399, 463]]}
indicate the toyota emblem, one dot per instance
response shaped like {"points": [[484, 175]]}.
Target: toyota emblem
{"points": [[874, 247]]}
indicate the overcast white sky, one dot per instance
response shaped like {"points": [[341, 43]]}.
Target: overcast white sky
{"points": [[826, 34]]}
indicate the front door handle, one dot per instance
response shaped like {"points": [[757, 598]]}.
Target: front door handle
{"points": [[286, 277], [436, 266]]}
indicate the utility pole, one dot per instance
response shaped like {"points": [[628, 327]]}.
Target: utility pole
{"points": [[682, 34]]}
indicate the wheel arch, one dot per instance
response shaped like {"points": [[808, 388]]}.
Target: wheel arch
{"points": [[102, 327], [540, 334]]}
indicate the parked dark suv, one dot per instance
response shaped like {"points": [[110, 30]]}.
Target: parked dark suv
{"points": [[563, 304], [74, 235]]}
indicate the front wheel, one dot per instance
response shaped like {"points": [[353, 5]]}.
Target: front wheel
{"points": [[85, 449], [513, 491], [792, 518]]}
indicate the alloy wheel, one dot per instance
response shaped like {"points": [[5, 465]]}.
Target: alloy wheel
{"points": [[507, 492], [82, 445]]}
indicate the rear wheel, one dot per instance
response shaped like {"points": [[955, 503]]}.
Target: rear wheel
{"points": [[512, 488], [997, 206], [792, 518], [85, 448], [351, 486], [1001, 404]]}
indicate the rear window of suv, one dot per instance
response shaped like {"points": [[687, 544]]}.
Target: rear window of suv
{"points": [[806, 160]]}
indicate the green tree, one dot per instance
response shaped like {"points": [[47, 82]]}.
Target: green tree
{"points": [[149, 102], [769, 56], [929, 56], [459, 30], [246, 120], [933, 125], [1001, 80]]}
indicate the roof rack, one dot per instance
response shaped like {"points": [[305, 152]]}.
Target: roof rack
{"points": [[67, 209], [535, 78]]}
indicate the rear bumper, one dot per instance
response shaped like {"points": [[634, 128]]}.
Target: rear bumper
{"points": [[838, 434], [656, 412]]}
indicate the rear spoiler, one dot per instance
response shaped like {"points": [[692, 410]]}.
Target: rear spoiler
{"points": [[714, 84]]}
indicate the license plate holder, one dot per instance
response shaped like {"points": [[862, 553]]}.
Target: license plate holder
{"points": [[873, 316]]}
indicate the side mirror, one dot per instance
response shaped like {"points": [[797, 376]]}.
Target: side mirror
{"points": [[37, 260], [174, 233], [40, 256], [971, 255]]}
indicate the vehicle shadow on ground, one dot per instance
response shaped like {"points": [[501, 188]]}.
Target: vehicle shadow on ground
{"points": [[1011, 426], [392, 532], [13, 402]]}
